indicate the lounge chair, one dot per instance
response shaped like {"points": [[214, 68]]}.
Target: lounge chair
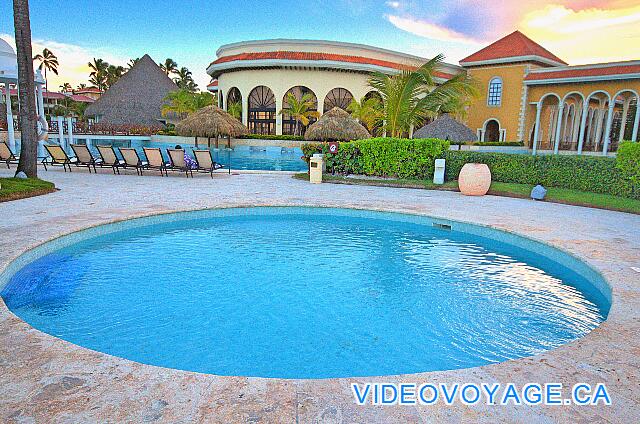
{"points": [[84, 157], [176, 156], [155, 160], [132, 160], [109, 158], [205, 162], [58, 157], [6, 155]]}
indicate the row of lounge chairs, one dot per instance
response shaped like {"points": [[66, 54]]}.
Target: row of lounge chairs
{"points": [[203, 159]]}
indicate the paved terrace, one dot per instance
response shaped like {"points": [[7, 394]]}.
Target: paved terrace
{"points": [[45, 379]]}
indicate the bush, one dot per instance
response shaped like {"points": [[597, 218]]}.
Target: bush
{"points": [[272, 137], [383, 157], [488, 143], [628, 163], [584, 173]]}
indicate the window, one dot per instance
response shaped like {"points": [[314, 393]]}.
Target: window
{"points": [[495, 92]]}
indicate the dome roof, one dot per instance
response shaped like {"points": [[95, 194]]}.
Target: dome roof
{"points": [[8, 59]]}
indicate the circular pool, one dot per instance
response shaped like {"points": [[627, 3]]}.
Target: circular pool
{"points": [[305, 292]]}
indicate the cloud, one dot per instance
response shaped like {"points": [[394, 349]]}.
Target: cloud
{"points": [[427, 29], [73, 60], [607, 27]]}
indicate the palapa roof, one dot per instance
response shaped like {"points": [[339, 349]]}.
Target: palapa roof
{"points": [[336, 124], [136, 98], [210, 121], [446, 128]]}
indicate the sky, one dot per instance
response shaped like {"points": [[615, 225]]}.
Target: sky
{"points": [[190, 32]]}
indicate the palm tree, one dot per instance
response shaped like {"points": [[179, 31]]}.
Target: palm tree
{"points": [[300, 110], [26, 87], [369, 111], [411, 96], [179, 102], [113, 74], [184, 79], [81, 86], [48, 61], [66, 87], [98, 75], [169, 66], [235, 109], [132, 63]]}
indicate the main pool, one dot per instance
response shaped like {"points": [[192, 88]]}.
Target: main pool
{"points": [[305, 293]]}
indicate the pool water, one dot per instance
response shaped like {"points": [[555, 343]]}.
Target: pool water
{"points": [[304, 293]]}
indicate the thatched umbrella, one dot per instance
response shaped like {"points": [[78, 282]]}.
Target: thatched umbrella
{"points": [[336, 125], [211, 121], [446, 128]]}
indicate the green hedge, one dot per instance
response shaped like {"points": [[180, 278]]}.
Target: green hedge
{"points": [[628, 163], [584, 173], [488, 143], [383, 157], [272, 137]]}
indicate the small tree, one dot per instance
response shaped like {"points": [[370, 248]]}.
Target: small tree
{"points": [[301, 110], [368, 111]]}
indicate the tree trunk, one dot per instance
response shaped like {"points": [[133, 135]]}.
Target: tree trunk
{"points": [[28, 112]]}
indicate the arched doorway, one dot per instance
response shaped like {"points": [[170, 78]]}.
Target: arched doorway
{"points": [[262, 111], [595, 127], [491, 130], [624, 118], [288, 122], [234, 103], [338, 97]]}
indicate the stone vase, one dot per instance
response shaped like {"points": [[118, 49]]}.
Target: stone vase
{"points": [[474, 179]]}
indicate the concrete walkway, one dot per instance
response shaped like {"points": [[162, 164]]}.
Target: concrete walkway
{"points": [[45, 379]]}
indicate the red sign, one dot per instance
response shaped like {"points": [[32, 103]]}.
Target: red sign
{"points": [[333, 147]]}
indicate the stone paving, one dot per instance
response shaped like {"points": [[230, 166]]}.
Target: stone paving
{"points": [[45, 379]]}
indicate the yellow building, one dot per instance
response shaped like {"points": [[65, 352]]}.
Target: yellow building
{"points": [[527, 93], [531, 95]]}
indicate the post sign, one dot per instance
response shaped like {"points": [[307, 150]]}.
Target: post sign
{"points": [[333, 147]]}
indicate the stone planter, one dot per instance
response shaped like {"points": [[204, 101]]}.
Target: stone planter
{"points": [[474, 179]]}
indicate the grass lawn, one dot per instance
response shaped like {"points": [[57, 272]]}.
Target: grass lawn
{"points": [[556, 195], [15, 188]]}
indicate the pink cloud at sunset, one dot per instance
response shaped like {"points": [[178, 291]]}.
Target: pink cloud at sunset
{"points": [[579, 31]]}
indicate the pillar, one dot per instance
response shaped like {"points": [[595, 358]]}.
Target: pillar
{"points": [[536, 129], [40, 100], [70, 129], [636, 122], [11, 139], [278, 115], [556, 145], [623, 123], [245, 109], [61, 140], [607, 130], [583, 124]]}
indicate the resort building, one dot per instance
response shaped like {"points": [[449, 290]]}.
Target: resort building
{"points": [[259, 74], [528, 94]]}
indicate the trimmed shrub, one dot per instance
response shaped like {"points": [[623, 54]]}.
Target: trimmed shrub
{"points": [[383, 157], [628, 163], [273, 137], [488, 143], [584, 173]]}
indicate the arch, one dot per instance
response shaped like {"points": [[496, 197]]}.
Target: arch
{"points": [[338, 97], [262, 111], [547, 121], [571, 94], [626, 114], [543, 98], [569, 122], [596, 135], [494, 92], [491, 130], [289, 124], [234, 102]]}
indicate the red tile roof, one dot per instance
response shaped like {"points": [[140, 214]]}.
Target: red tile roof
{"points": [[52, 95], [308, 56], [513, 45], [213, 83], [586, 71], [88, 90]]}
